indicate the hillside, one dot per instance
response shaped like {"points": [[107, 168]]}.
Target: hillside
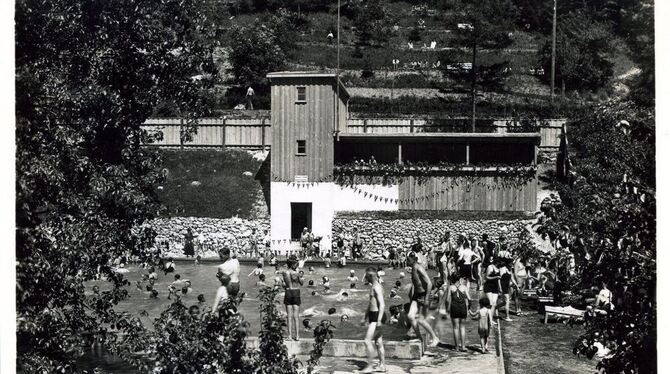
{"points": [[416, 83]]}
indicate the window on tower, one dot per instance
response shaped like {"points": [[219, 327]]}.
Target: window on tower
{"points": [[302, 147], [302, 94]]}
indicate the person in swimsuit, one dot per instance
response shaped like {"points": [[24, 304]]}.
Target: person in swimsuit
{"points": [[221, 294], [458, 305], [485, 317], [292, 295], [466, 258], [419, 301], [506, 283], [230, 269], [373, 317], [492, 285], [477, 263], [520, 275]]}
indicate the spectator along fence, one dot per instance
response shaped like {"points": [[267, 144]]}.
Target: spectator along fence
{"points": [[255, 132]]}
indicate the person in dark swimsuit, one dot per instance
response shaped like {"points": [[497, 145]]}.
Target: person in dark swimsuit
{"points": [[506, 282], [457, 305], [419, 301], [292, 295], [189, 250], [492, 285]]}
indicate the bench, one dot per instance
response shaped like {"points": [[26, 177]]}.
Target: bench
{"points": [[561, 311]]}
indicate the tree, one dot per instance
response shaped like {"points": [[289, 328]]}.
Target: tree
{"points": [[582, 47], [260, 48], [637, 26], [88, 74], [609, 208], [370, 20], [483, 25]]}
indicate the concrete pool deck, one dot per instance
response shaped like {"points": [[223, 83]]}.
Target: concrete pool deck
{"points": [[442, 360]]}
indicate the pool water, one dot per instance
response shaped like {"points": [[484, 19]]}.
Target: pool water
{"points": [[314, 307]]}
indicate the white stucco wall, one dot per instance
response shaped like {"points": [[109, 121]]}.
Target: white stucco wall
{"points": [[326, 199]]}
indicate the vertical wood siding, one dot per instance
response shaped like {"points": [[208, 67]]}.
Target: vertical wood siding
{"points": [[312, 121], [483, 193]]}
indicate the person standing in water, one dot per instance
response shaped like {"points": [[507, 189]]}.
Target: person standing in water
{"points": [[420, 301], [292, 281], [230, 269], [374, 316]]}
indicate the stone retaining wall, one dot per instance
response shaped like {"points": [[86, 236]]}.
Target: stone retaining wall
{"points": [[400, 233], [216, 233]]}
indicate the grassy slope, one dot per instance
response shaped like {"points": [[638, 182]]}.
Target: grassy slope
{"points": [[224, 190]]}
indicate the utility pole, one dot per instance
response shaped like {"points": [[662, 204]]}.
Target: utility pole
{"points": [[553, 54], [337, 76]]}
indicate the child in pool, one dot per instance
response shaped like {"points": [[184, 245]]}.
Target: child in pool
{"points": [[485, 317], [310, 283], [261, 281], [326, 284], [197, 260], [311, 270], [305, 324], [380, 273], [352, 278], [273, 261], [257, 271], [327, 261]]}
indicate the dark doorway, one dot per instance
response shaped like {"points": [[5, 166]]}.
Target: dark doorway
{"points": [[301, 217]]}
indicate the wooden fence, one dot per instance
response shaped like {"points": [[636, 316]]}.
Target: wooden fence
{"points": [[247, 133], [256, 132]]}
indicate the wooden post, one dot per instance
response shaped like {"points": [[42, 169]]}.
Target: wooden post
{"points": [[365, 125], [467, 153], [400, 153], [411, 125], [263, 133], [223, 134], [181, 133]]}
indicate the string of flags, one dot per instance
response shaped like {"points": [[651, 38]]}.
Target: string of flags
{"points": [[389, 200]]}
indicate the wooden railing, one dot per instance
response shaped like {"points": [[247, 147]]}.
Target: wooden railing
{"points": [[256, 132]]}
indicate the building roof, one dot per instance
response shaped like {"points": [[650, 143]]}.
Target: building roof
{"points": [[308, 75], [442, 136]]}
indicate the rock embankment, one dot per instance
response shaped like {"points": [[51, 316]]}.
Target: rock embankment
{"points": [[210, 234], [400, 233]]}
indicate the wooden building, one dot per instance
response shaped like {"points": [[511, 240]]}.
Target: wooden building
{"points": [[319, 168]]}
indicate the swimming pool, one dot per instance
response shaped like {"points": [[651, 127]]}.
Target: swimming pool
{"points": [[314, 307]]}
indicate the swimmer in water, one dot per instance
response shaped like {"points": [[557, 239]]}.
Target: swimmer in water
{"points": [[352, 278], [305, 324], [261, 281], [311, 269], [326, 284]]}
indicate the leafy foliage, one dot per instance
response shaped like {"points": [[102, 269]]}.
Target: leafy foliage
{"points": [[88, 74], [582, 46], [260, 48], [608, 211], [273, 355], [203, 343], [370, 19]]}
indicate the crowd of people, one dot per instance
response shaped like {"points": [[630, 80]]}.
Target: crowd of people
{"points": [[442, 279]]}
